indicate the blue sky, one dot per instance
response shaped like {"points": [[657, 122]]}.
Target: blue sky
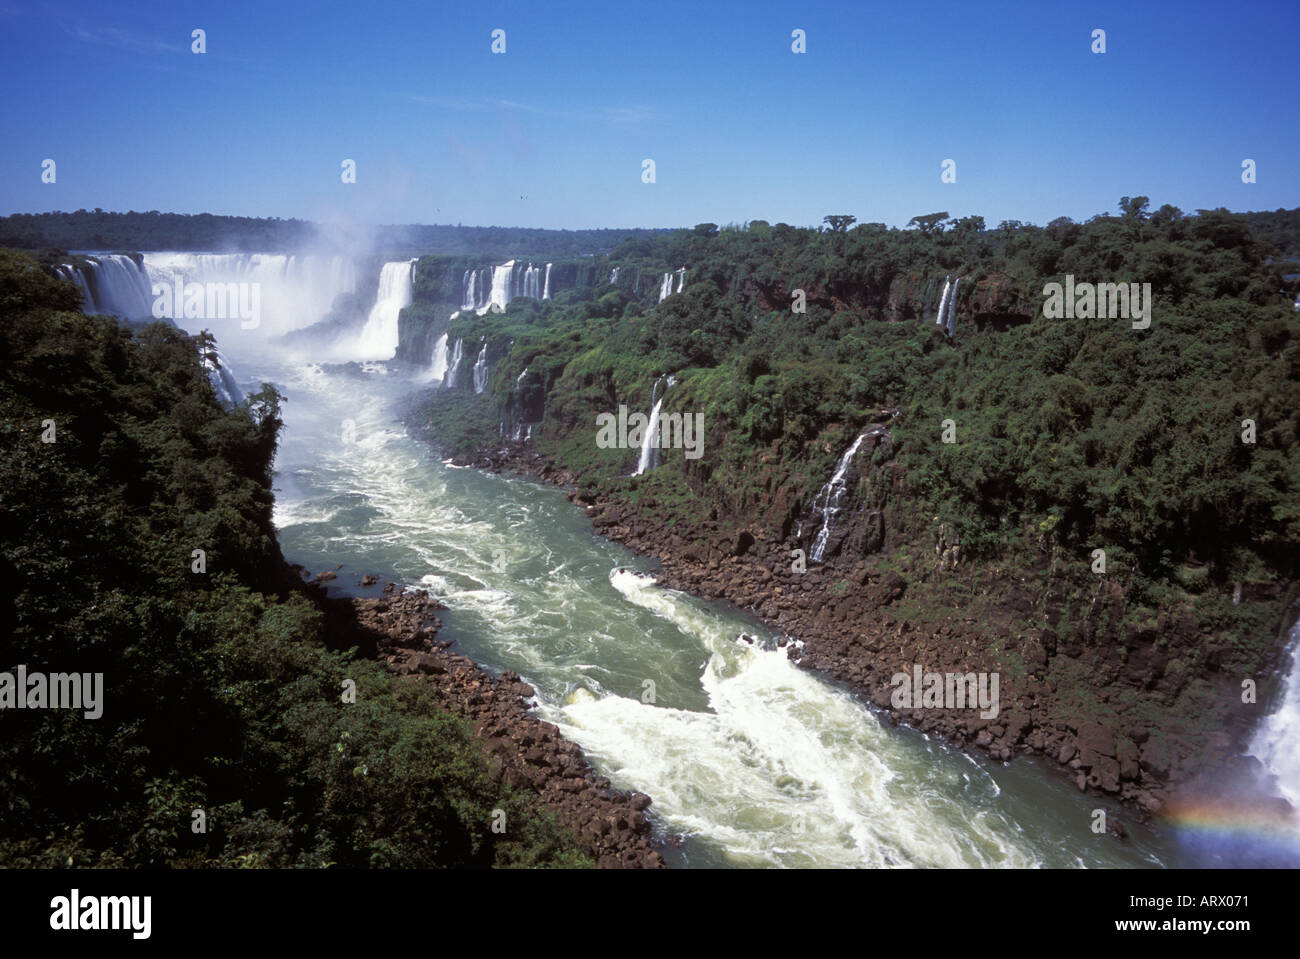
{"points": [[553, 132]]}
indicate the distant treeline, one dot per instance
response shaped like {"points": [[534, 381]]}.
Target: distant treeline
{"points": [[101, 230]]}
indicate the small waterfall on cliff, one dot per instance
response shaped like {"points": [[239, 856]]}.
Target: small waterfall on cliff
{"points": [[1276, 742], [952, 308], [378, 338], [453, 366], [649, 457], [438, 369], [613, 276], [943, 301], [827, 502], [481, 370], [546, 284], [469, 289]]}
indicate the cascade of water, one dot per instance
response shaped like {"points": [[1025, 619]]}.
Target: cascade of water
{"points": [[827, 502], [952, 308], [681, 279], [223, 379], [500, 294], [481, 370], [1276, 741], [378, 338], [665, 287], [116, 284], [467, 290], [294, 291], [70, 272], [438, 369], [449, 381], [613, 276], [649, 457], [943, 301], [546, 286]]}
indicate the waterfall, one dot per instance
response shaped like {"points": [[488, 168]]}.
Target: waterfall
{"points": [[649, 457], [481, 370], [943, 301], [532, 282], [70, 272], [453, 366], [952, 308], [1276, 742], [468, 285], [832, 493], [295, 291], [378, 338], [546, 287], [666, 285], [613, 276], [493, 287], [500, 295], [223, 380], [112, 284], [438, 371]]}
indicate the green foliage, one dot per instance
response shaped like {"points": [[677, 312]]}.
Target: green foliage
{"points": [[1123, 438]]}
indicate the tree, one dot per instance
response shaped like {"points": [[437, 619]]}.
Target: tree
{"points": [[968, 224], [839, 222], [1134, 207], [929, 223]]}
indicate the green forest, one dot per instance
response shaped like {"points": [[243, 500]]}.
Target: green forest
{"points": [[204, 232], [1081, 433]]}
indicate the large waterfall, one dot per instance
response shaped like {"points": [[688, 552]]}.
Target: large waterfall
{"points": [[294, 291], [489, 287], [827, 503], [112, 284], [481, 370], [649, 457], [378, 338], [117, 285]]}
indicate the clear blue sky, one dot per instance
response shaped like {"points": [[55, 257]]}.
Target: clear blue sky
{"points": [[553, 132]]}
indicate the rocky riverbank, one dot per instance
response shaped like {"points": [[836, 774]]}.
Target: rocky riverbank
{"points": [[401, 627], [1087, 707]]}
